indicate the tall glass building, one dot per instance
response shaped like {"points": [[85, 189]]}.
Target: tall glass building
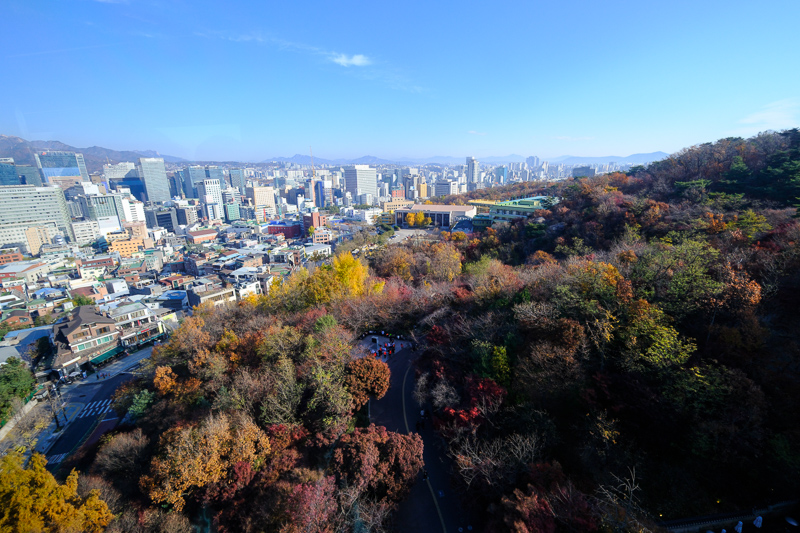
{"points": [[54, 165], [237, 179], [8, 172], [153, 175], [29, 175], [191, 177]]}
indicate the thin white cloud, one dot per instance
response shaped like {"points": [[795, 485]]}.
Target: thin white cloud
{"points": [[344, 60], [381, 73], [473, 132], [780, 115]]}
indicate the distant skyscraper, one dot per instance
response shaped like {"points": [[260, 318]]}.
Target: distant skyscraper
{"points": [[261, 196], [8, 172], [361, 179], [533, 162], [502, 174], [61, 167], [210, 191], [473, 170], [25, 206], [29, 175], [119, 171], [191, 177], [154, 176], [238, 179], [215, 173]]}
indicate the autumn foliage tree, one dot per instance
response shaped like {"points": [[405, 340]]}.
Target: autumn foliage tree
{"points": [[32, 500], [367, 376], [378, 462], [194, 457]]}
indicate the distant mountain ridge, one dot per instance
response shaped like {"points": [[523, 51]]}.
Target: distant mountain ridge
{"points": [[634, 159], [95, 156]]}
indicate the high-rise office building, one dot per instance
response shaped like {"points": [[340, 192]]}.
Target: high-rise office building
{"points": [[361, 179], [61, 167], [238, 179], [175, 180], [210, 191], [215, 173], [502, 175], [533, 162], [232, 212], [187, 215], [29, 175], [119, 171], [26, 206], [133, 210], [96, 207], [162, 218], [154, 177], [473, 170], [261, 196], [8, 172], [191, 177], [446, 187]]}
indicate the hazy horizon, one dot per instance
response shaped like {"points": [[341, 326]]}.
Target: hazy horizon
{"points": [[247, 82]]}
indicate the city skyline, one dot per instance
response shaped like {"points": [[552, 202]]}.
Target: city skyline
{"points": [[549, 80]]}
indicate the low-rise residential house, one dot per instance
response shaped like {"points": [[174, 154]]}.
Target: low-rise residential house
{"points": [[218, 297], [97, 261], [8, 256], [87, 336], [246, 289], [30, 271], [197, 237], [175, 300], [95, 291], [136, 266], [320, 250], [17, 317], [137, 324]]}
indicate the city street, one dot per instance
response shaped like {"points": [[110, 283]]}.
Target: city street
{"points": [[85, 403]]}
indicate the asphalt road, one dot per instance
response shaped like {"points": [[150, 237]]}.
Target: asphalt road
{"points": [[93, 404], [88, 401], [433, 506]]}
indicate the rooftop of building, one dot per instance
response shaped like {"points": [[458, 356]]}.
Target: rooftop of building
{"points": [[20, 266], [81, 316]]}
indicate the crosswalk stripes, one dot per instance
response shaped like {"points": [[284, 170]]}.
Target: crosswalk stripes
{"points": [[95, 408], [55, 459]]}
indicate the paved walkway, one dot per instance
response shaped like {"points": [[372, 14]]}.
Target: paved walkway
{"points": [[432, 506]]}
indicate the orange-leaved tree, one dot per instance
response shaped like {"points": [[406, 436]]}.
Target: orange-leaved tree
{"points": [[367, 377], [193, 457]]}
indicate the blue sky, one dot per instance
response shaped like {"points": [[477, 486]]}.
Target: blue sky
{"points": [[249, 80]]}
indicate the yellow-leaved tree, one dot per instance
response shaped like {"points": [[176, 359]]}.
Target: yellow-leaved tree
{"points": [[194, 457], [31, 500], [351, 274]]}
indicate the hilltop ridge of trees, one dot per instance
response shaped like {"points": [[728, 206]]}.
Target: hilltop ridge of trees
{"points": [[625, 356]]}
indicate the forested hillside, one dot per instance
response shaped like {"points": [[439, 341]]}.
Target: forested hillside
{"points": [[628, 356]]}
